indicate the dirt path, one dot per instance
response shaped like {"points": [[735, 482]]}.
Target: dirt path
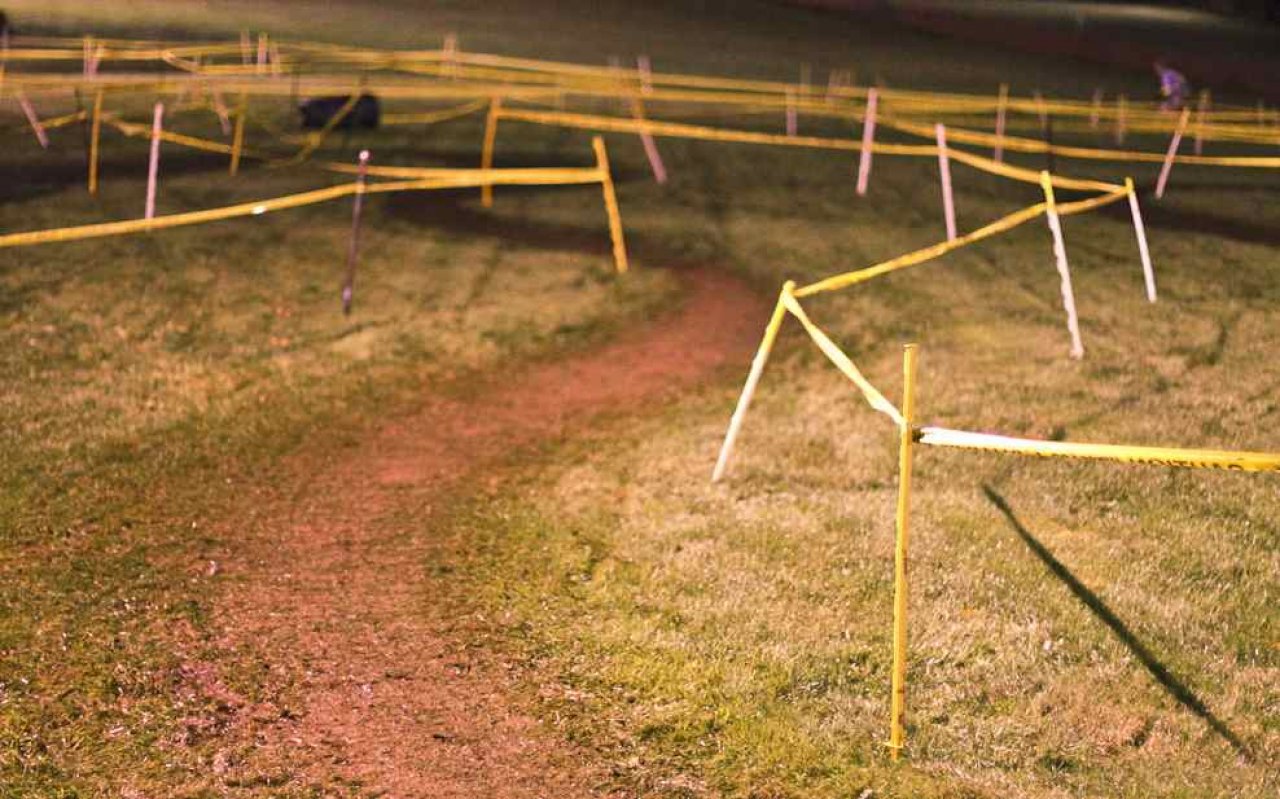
{"points": [[394, 700]]}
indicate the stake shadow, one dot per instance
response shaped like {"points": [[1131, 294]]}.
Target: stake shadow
{"points": [[1175, 687]]}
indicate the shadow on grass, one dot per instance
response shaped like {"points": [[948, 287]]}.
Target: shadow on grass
{"points": [[1176, 688], [457, 213], [1166, 217]]}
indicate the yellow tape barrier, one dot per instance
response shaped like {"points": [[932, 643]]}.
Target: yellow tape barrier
{"points": [[466, 65], [599, 122], [1084, 153], [933, 251], [1158, 456], [842, 362], [447, 179]]}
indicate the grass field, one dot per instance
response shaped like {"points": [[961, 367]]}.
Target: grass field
{"points": [[1078, 629]]}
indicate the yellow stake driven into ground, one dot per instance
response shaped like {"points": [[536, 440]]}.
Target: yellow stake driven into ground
{"points": [[905, 440]]}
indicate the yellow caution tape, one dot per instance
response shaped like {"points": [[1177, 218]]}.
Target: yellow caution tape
{"points": [[432, 117], [519, 70], [842, 362], [1158, 456], [924, 254], [529, 177], [145, 132], [703, 132], [933, 251], [1036, 146], [447, 180]]}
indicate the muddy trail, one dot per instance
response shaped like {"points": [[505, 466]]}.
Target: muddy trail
{"points": [[328, 584]]}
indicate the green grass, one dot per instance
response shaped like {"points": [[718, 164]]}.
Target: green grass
{"points": [[730, 639]]}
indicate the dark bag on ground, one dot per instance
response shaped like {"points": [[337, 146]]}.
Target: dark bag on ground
{"points": [[317, 112]]}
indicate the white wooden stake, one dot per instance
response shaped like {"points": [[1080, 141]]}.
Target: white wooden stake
{"points": [[451, 54], [1095, 112], [1140, 230], [791, 113], [1041, 111], [645, 68], [1064, 270], [868, 141], [753, 380], [33, 120], [262, 52], [1002, 107], [153, 169], [650, 148], [944, 170], [246, 49], [353, 246], [220, 108], [1172, 152]]}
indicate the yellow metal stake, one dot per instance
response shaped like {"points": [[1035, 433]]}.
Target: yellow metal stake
{"points": [[95, 134], [610, 205], [906, 433], [486, 156], [237, 139]]}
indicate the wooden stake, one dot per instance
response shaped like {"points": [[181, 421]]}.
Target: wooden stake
{"points": [[906, 436], [610, 205], [868, 141], [451, 55], [486, 153], [645, 68], [1002, 109], [944, 170], [33, 120], [1172, 153], [1095, 112], [262, 53], [753, 380], [85, 123], [237, 139], [353, 246], [153, 169], [220, 108], [791, 113], [1064, 270], [1140, 230], [650, 148], [95, 135], [1041, 111]]}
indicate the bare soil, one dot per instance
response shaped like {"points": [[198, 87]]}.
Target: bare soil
{"points": [[328, 581]]}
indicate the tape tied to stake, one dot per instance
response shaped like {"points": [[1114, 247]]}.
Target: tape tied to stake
{"points": [[1236, 461], [842, 362], [431, 180]]}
